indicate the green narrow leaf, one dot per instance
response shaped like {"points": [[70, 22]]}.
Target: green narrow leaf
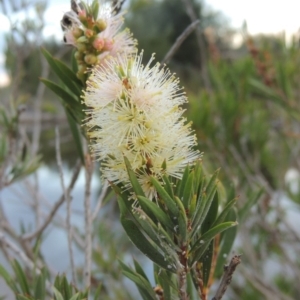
{"points": [[144, 288], [75, 297], [67, 100], [165, 282], [190, 287], [95, 9], [156, 233], [40, 287], [169, 202], [76, 136], [181, 184], [125, 205], [57, 294], [168, 186], [188, 191], [182, 219], [8, 279], [140, 270], [22, 297], [21, 277], [206, 260], [224, 212], [97, 293], [133, 179], [202, 243], [276, 97], [198, 176], [211, 215], [227, 240], [143, 244], [250, 203], [66, 288], [156, 211], [66, 75], [203, 207], [140, 280]]}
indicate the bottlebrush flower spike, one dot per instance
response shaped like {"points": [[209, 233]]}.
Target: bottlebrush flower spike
{"points": [[135, 110], [95, 30]]}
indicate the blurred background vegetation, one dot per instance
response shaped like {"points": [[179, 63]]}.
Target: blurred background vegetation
{"points": [[244, 105]]}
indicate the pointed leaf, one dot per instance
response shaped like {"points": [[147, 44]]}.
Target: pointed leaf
{"points": [[75, 297], [224, 212], [40, 287], [67, 100], [165, 282], [67, 76], [156, 211], [144, 288], [206, 260], [133, 179], [168, 186], [169, 202], [140, 270], [142, 243], [227, 240], [57, 294], [182, 220], [204, 207], [182, 183], [8, 279], [250, 203], [21, 277], [203, 242], [188, 191]]}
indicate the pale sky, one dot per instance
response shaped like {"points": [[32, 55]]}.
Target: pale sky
{"points": [[262, 16]]}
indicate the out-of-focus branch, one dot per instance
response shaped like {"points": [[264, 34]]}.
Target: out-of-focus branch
{"points": [[227, 276], [88, 220], [68, 202], [100, 200], [269, 292], [179, 41], [56, 206], [203, 59]]}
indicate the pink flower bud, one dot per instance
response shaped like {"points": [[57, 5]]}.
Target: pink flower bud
{"points": [[98, 44], [108, 44]]}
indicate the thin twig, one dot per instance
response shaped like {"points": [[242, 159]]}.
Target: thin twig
{"points": [[202, 51], [88, 221], [227, 276], [68, 202], [100, 200], [179, 41], [56, 206], [269, 292]]}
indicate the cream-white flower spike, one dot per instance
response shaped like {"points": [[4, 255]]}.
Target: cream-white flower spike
{"points": [[135, 110]]}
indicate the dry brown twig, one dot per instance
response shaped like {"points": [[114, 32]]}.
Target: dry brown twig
{"points": [[202, 54], [179, 41], [68, 199], [227, 276], [89, 167]]}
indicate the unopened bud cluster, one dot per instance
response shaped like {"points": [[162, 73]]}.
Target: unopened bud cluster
{"points": [[95, 31]]}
